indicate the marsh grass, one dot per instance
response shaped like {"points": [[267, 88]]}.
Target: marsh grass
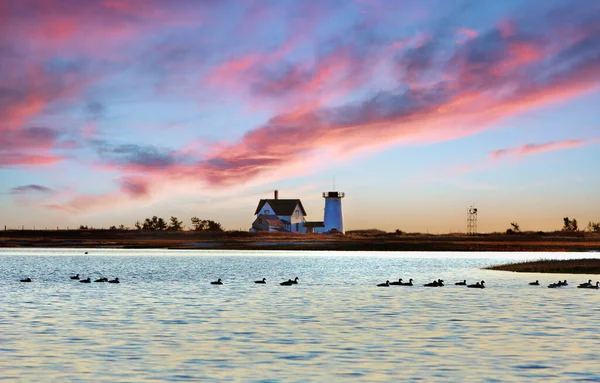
{"points": [[569, 266]]}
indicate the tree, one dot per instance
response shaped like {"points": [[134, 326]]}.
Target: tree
{"points": [[123, 227], [113, 227], [214, 226], [175, 224], [154, 223], [593, 227], [205, 225], [198, 224], [515, 227], [570, 224], [138, 225]]}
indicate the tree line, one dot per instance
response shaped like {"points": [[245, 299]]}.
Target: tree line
{"points": [[156, 223], [569, 225]]}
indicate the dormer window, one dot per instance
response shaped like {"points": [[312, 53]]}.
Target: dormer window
{"points": [[267, 212]]}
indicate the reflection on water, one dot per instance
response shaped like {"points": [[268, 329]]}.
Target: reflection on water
{"points": [[166, 322]]}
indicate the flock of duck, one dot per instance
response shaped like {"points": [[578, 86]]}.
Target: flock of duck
{"points": [[585, 285], [437, 283], [87, 280], [481, 285], [263, 281]]}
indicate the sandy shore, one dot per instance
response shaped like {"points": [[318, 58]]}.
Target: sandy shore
{"points": [[286, 241]]}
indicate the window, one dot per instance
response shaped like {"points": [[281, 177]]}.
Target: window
{"points": [[267, 212], [297, 214]]}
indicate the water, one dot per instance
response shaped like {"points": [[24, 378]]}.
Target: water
{"points": [[165, 322]]}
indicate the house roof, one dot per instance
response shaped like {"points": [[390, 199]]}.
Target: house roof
{"points": [[314, 224], [272, 220], [281, 206]]}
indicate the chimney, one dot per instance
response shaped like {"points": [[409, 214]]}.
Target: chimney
{"points": [[276, 194]]}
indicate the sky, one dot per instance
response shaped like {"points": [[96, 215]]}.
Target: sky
{"points": [[112, 111]]}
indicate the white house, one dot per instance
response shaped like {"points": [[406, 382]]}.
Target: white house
{"points": [[279, 215]]}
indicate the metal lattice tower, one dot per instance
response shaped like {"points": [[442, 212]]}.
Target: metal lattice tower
{"points": [[472, 220]]}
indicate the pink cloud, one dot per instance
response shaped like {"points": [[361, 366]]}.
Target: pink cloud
{"points": [[531, 149]]}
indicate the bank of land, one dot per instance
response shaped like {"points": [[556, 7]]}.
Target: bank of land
{"points": [[557, 241]]}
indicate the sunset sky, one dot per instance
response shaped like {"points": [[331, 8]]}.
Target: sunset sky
{"points": [[116, 110]]}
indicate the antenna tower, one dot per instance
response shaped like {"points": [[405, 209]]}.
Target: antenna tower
{"points": [[472, 220]]}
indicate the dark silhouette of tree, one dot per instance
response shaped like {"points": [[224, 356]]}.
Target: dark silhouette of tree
{"points": [[154, 223], [175, 225], [214, 226], [515, 227], [205, 225], [570, 224], [138, 225], [199, 224], [123, 227], [83, 227], [593, 227], [113, 227]]}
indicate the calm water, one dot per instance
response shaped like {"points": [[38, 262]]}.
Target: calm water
{"points": [[165, 322]]}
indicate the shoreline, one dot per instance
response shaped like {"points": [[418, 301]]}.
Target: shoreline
{"points": [[552, 266], [530, 242]]}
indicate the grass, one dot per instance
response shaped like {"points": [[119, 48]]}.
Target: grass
{"points": [[570, 266]]}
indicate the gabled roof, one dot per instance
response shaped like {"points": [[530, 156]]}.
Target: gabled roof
{"points": [[273, 220], [281, 206]]}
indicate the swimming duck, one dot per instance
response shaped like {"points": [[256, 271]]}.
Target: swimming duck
{"points": [[564, 283], [554, 285], [536, 283], [588, 283], [116, 280], [103, 279], [409, 283], [437, 283], [596, 286], [478, 285], [399, 283], [85, 280], [295, 281], [463, 283], [264, 280], [217, 282], [75, 277], [289, 282], [26, 280], [386, 284]]}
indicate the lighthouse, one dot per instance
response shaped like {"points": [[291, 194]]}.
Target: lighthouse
{"points": [[333, 219]]}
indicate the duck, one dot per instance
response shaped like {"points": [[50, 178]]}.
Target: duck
{"points": [[75, 277], [554, 285], [26, 279], [564, 283], [437, 283], [478, 285], [409, 283], [295, 281], [536, 283], [399, 283], [116, 280], [289, 282], [463, 283], [86, 252], [596, 286], [386, 284], [103, 279], [85, 280], [217, 282], [588, 283], [264, 280]]}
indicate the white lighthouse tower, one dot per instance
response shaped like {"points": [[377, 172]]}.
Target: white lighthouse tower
{"points": [[333, 211]]}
